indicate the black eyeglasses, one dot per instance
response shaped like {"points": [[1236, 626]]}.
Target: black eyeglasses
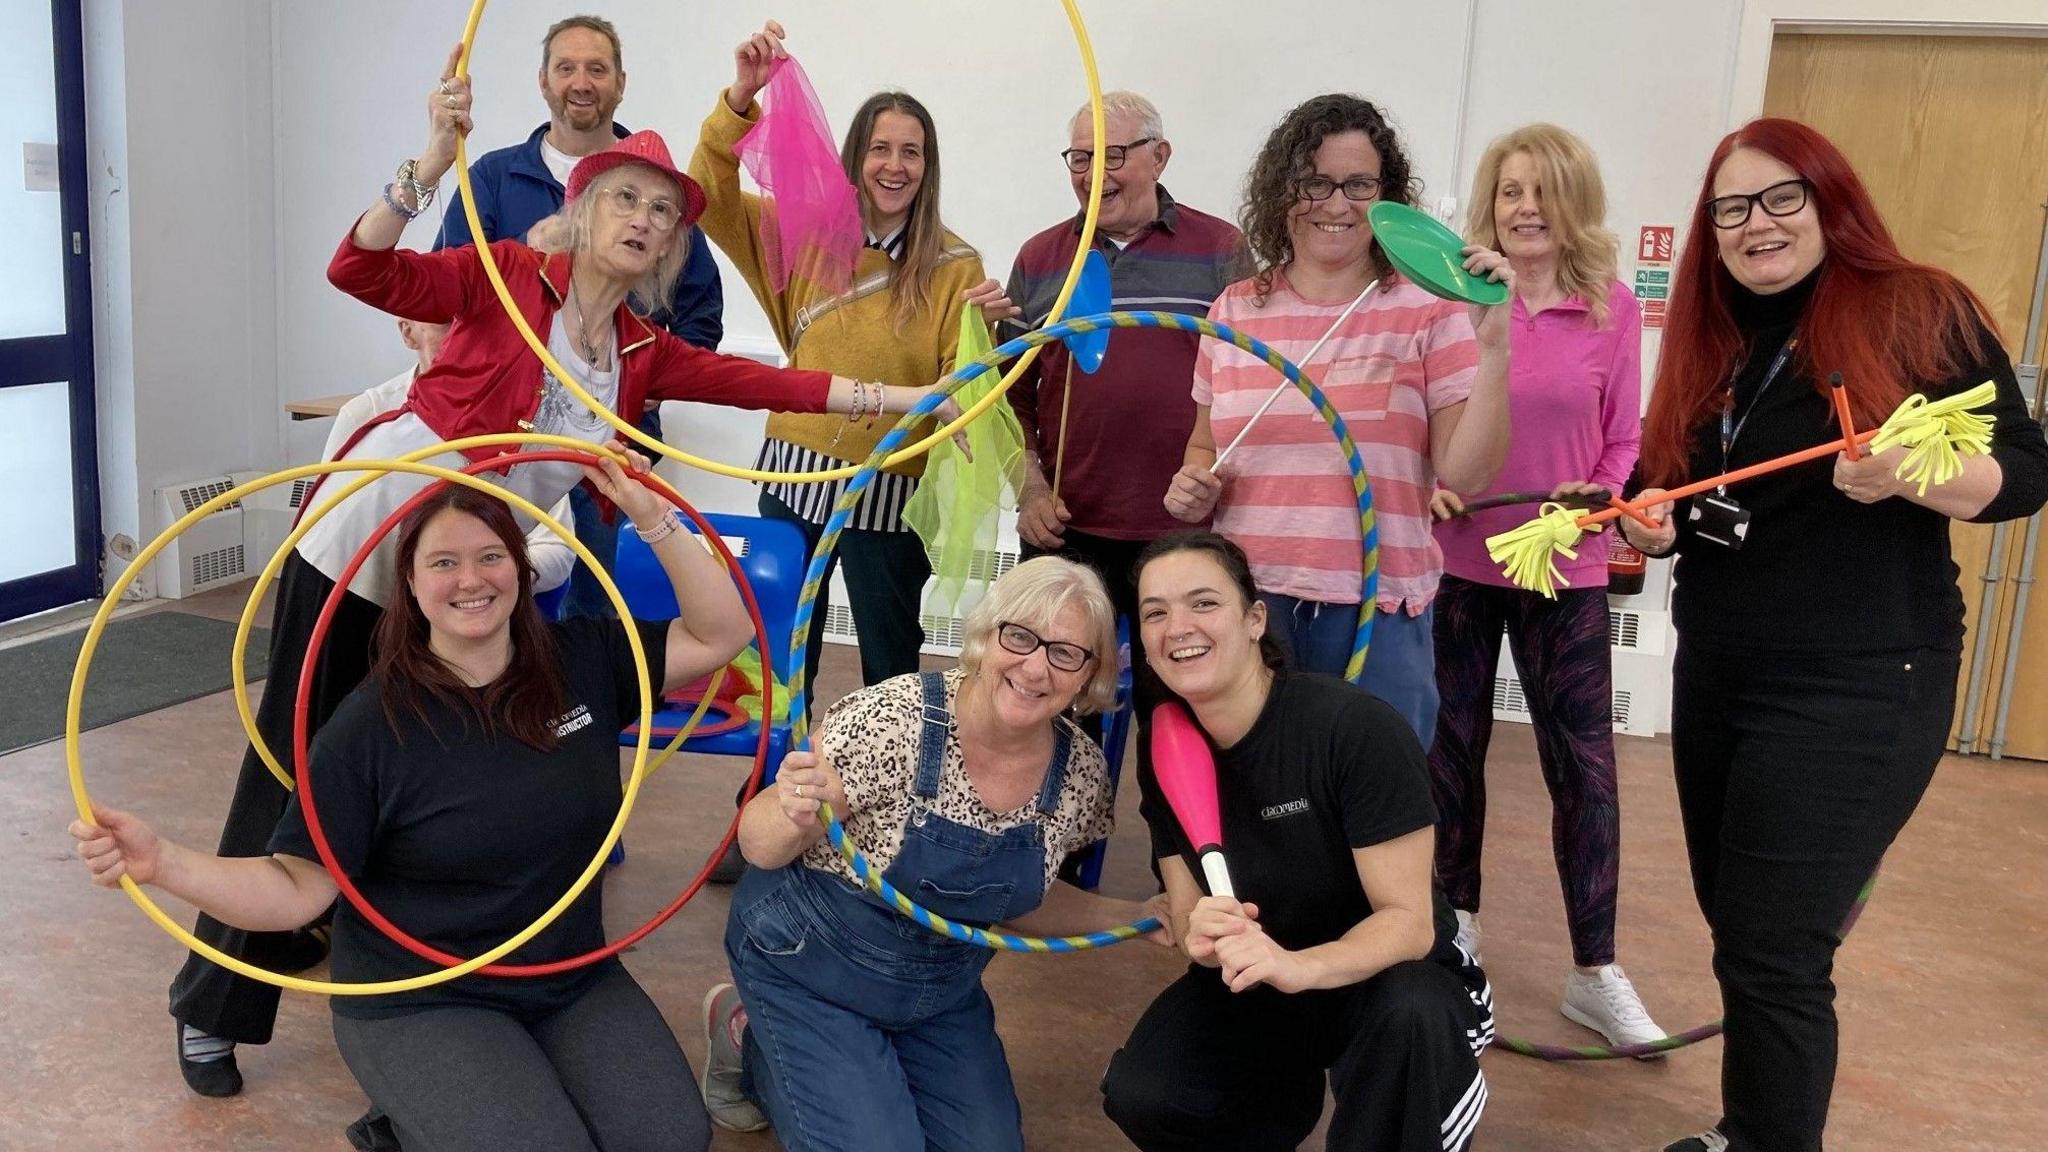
{"points": [[1781, 199], [1058, 653], [1113, 157], [1321, 188]]}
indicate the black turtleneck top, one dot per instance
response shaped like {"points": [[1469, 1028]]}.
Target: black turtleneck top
{"points": [[1820, 573]]}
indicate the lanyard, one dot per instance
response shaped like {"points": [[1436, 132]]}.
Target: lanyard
{"points": [[1730, 426]]}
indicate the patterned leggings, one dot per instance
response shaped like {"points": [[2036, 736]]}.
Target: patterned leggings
{"points": [[1560, 650]]}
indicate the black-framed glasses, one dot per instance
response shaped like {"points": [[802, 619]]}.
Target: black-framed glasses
{"points": [[1321, 188], [1023, 641], [1113, 157], [1781, 199], [624, 201]]}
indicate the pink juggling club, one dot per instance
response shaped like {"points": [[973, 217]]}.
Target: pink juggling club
{"points": [[1187, 774]]}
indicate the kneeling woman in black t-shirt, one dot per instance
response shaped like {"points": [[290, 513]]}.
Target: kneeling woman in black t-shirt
{"points": [[1340, 958], [463, 787]]}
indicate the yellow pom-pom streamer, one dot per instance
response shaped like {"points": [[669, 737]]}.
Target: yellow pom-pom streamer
{"points": [[1528, 553], [1938, 435]]}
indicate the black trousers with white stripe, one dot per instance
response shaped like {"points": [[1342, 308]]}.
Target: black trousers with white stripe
{"points": [[1216, 1071]]}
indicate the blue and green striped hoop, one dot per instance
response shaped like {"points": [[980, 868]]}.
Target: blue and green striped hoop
{"points": [[814, 578]]}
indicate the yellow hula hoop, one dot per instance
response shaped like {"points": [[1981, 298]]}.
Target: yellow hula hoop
{"points": [[238, 665], [83, 801], [633, 434]]}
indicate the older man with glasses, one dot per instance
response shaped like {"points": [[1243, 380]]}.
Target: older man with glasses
{"points": [[1098, 459]]}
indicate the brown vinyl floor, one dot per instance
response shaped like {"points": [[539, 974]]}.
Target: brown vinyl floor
{"points": [[1943, 999]]}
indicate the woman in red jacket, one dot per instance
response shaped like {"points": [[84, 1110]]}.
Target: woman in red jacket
{"points": [[623, 229]]}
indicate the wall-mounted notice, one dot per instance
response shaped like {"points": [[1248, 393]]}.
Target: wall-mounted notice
{"points": [[1655, 249], [38, 167]]}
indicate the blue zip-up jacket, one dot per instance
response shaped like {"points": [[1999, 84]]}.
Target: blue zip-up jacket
{"points": [[515, 191]]}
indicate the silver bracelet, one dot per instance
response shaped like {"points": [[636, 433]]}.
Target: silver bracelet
{"points": [[422, 194]]}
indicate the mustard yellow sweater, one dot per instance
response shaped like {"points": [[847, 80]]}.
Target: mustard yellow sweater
{"points": [[857, 339]]}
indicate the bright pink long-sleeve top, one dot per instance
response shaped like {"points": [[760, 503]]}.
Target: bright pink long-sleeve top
{"points": [[1574, 404]]}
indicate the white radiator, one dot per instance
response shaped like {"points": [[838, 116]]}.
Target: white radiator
{"points": [[208, 554], [942, 630], [1638, 641], [267, 515]]}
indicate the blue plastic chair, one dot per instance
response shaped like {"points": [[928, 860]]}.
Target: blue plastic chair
{"points": [[1116, 732], [772, 553], [550, 601]]}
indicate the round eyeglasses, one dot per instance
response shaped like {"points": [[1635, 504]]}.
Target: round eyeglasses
{"points": [[625, 200]]}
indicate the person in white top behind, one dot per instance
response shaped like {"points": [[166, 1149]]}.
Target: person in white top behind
{"points": [[552, 559]]}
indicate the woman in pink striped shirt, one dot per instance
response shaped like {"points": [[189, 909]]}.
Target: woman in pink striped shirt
{"points": [[1421, 382], [1575, 390]]}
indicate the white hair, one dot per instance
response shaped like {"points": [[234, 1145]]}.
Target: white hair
{"points": [[572, 226], [1033, 594], [1131, 106]]}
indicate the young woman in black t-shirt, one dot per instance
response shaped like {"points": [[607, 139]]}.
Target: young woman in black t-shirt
{"points": [[463, 787], [1341, 957]]}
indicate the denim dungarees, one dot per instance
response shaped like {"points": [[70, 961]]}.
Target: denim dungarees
{"points": [[866, 1030]]}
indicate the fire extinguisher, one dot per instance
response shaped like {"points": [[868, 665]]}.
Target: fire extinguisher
{"points": [[1626, 565]]}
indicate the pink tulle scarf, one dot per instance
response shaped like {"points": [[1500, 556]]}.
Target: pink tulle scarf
{"points": [[810, 215]]}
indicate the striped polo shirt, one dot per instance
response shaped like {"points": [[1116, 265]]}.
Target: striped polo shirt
{"points": [[1129, 420], [1287, 498]]}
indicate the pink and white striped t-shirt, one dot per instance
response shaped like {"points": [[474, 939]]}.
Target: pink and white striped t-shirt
{"points": [[1287, 498]]}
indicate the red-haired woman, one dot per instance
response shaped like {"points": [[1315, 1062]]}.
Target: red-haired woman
{"points": [[463, 786], [1820, 627]]}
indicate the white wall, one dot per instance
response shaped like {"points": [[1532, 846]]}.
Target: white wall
{"points": [[106, 109], [234, 142], [352, 81], [182, 188]]}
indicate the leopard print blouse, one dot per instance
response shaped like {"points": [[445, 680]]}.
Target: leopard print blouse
{"points": [[870, 739]]}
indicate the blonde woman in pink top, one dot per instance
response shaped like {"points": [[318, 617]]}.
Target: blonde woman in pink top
{"points": [[1424, 395], [1575, 389]]}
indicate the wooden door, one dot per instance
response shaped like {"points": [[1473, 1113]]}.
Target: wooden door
{"points": [[1951, 135]]}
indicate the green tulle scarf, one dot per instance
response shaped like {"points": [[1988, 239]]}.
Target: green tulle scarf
{"points": [[958, 504]]}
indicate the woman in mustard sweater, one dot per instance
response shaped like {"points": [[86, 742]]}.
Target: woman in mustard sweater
{"points": [[898, 323]]}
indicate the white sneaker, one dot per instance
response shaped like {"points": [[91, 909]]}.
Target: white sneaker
{"points": [[1468, 933], [1607, 1003], [725, 1020]]}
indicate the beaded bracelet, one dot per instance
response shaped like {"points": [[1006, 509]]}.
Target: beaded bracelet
{"points": [[392, 203]]}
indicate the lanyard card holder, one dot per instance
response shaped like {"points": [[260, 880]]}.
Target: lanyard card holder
{"points": [[1719, 518]]}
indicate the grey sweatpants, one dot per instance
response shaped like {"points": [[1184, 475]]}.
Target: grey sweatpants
{"points": [[603, 1074]]}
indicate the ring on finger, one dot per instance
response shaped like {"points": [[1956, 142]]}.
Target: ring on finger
{"points": [[442, 88], [799, 791]]}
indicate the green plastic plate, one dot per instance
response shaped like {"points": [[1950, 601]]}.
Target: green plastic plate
{"points": [[1423, 250]]}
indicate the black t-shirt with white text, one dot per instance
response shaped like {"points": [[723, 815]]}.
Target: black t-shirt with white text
{"points": [[463, 839], [1325, 769]]}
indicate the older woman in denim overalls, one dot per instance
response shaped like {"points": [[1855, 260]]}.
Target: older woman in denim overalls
{"points": [[861, 1029]]}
